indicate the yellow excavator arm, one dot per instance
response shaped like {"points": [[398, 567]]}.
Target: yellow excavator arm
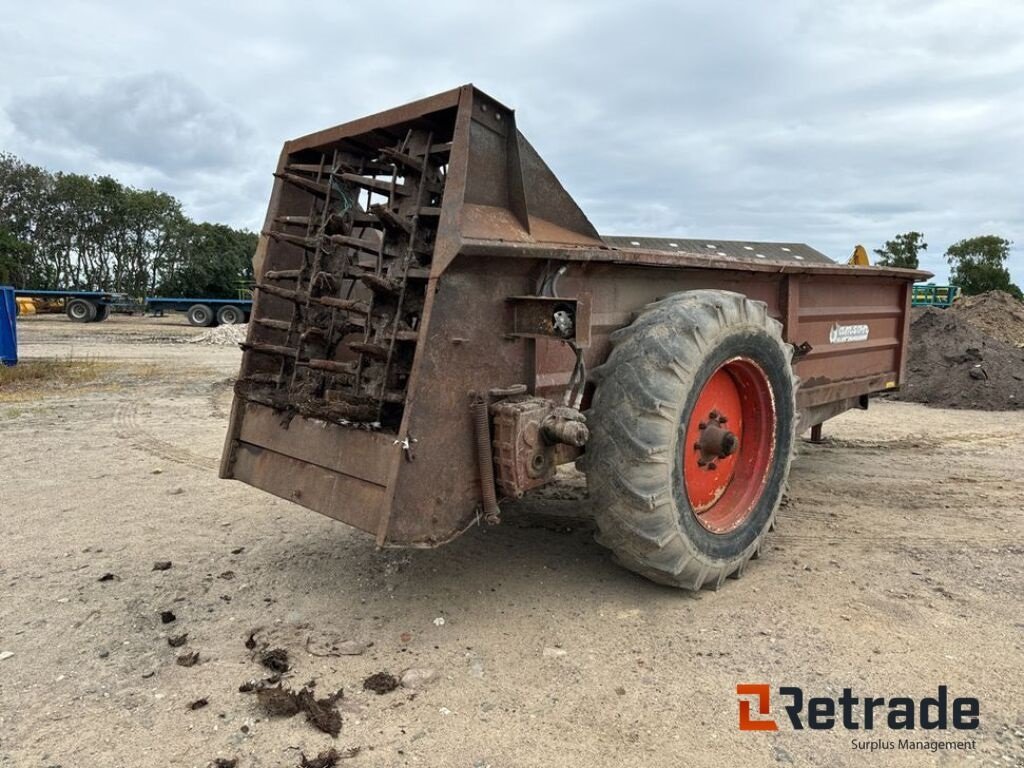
{"points": [[25, 305], [859, 257]]}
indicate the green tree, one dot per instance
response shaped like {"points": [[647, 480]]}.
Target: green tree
{"points": [[214, 260], [23, 189], [15, 258], [978, 264], [902, 251], [68, 230]]}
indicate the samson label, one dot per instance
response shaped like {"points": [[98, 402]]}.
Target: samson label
{"points": [[843, 334]]}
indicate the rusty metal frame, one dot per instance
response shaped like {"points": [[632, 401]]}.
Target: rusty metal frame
{"points": [[503, 223]]}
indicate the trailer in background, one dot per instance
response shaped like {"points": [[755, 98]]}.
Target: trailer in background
{"points": [[83, 306], [202, 312]]}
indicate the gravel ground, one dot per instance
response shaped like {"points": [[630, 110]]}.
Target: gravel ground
{"points": [[896, 567]]}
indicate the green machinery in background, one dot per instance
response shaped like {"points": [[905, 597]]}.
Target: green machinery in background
{"points": [[931, 295]]}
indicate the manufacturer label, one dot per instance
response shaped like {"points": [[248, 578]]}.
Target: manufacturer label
{"points": [[843, 334]]}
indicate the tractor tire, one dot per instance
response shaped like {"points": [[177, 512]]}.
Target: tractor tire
{"points": [[102, 313], [230, 315], [692, 428], [201, 315], [81, 311]]}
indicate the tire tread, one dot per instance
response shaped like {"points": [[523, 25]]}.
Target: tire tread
{"points": [[633, 418]]}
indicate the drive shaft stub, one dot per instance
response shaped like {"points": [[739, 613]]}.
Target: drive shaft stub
{"points": [[715, 442]]}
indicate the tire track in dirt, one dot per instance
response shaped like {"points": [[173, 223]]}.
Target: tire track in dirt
{"points": [[911, 445], [128, 428], [934, 530], [843, 493], [897, 543]]}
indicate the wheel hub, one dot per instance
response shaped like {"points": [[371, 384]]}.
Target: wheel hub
{"points": [[716, 442], [730, 440]]}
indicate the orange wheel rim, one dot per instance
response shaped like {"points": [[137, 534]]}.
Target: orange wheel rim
{"points": [[729, 445]]}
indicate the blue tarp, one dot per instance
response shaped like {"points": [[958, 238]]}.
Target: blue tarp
{"points": [[8, 326]]}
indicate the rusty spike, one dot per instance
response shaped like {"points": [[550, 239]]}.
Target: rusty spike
{"points": [[383, 186], [301, 297], [332, 366], [302, 242], [284, 293], [391, 220], [368, 348], [277, 325], [369, 246], [283, 274], [339, 409], [302, 182], [349, 305], [403, 159], [271, 349], [378, 284]]}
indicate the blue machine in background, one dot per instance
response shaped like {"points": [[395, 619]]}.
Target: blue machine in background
{"points": [[8, 326]]}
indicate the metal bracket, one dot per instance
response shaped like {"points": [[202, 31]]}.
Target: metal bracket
{"points": [[407, 445], [551, 317]]}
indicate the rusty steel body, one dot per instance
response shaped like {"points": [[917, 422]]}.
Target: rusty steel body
{"points": [[506, 246]]}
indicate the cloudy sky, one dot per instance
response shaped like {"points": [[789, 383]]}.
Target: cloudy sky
{"points": [[826, 122]]}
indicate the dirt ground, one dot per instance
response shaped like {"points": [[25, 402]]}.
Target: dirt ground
{"points": [[896, 566]]}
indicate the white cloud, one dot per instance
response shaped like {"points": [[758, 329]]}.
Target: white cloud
{"points": [[832, 123], [156, 120]]}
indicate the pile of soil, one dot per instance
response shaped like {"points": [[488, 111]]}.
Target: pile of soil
{"points": [[995, 313], [953, 364]]}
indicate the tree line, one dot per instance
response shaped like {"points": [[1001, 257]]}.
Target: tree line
{"points": [[70, 231], [976, 264], [67, 230]]}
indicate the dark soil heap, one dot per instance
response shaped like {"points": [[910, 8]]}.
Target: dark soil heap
{"points": [[954, 364], [995, 313]]}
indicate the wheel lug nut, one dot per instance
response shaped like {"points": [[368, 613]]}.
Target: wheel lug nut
{"points": [[712, 465], [722, 419], [696, 446], [702, 425]]}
